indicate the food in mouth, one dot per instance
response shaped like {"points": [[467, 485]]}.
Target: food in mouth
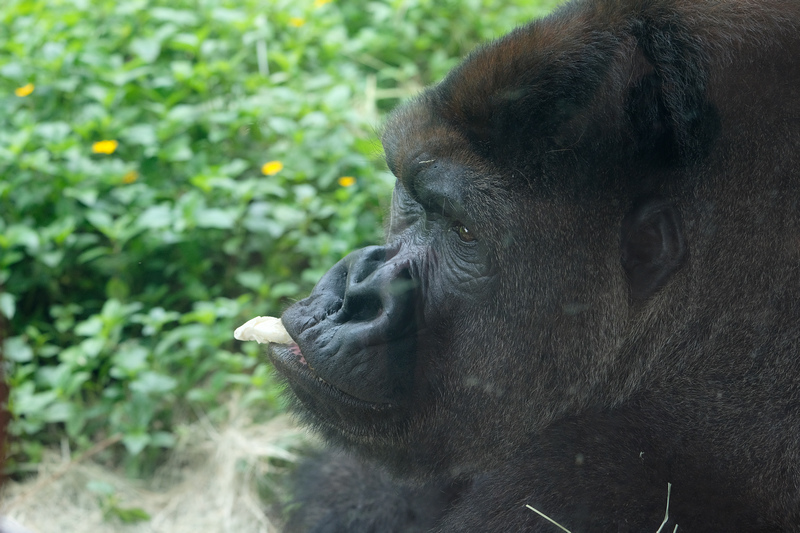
{"points": [[263, 329]]}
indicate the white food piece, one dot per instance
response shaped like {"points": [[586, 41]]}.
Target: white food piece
{"points": [[263, 329]]}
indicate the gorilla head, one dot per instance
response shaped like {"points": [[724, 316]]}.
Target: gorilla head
{"points": [[593, 246]]}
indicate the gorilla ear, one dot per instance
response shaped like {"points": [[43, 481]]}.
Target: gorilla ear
{"points": [[652, 246]]}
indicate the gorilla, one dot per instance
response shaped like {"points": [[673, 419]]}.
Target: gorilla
{"points": [[587, 308]]}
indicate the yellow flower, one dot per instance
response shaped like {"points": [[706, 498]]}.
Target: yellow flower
{"points": [[297, 21], [130, 177], [347, 181], [271, 168], [320, 3], [25, 90], [105, 147]]}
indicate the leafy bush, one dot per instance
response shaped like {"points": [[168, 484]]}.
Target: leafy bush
{"points": [[170, 169]]}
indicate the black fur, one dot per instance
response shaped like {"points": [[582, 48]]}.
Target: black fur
{"points": [[589, 290], [361, 497]]}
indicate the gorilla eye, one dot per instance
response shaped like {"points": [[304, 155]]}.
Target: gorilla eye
{"points": [[463, 232]]}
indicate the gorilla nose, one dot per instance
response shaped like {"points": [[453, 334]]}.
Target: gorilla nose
{"points": [[357, 329], [379, 285]]}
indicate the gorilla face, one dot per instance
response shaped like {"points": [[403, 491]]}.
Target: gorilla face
{"points": [[373, 336], [459, 333]]}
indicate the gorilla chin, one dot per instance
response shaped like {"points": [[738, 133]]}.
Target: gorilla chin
{"points": [[588, 290]]}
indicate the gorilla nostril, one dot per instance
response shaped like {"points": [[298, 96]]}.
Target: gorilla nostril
{"points": [[362, 307], [376, 285]]}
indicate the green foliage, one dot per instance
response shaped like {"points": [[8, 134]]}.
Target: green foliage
{"points": [[137, 225]]}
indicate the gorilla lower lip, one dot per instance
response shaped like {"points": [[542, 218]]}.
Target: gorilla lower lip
{"points": [[285, 358]]}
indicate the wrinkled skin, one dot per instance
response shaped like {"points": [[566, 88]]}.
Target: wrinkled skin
{"points": [[589, 288]]}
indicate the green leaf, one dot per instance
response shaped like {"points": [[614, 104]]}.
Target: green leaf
{"points": [[53, 131], [12, 70], [23, 236], [93, 253], [129, 359], [123, 78], [101, 220], [90, 327], [58, 412], [153, 383], [16, 349], [92, 347], [136, 442], [7, 305], [288, 216], [147, 49], [215, 218], [162, 439], [155, 217], [176, 16], [280, 290], [228, 15], [177, 150], [140, 134], [25, 401], [52, 259], [250, 280], [87, 196]]}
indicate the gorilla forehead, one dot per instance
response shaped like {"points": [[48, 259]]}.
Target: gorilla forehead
{"points": [[427, 140], [416, 133], [517, 91]]}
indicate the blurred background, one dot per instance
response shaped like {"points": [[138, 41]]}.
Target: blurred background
{"points": [[168, 170]]}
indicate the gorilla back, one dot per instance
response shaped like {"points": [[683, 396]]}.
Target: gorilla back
{"points": [[589, 289]]}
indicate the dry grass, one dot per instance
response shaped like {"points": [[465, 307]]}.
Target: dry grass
{"points": [[209, 483]]}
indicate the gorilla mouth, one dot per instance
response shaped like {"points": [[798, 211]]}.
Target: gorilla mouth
{"points": [[306, 383]]}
